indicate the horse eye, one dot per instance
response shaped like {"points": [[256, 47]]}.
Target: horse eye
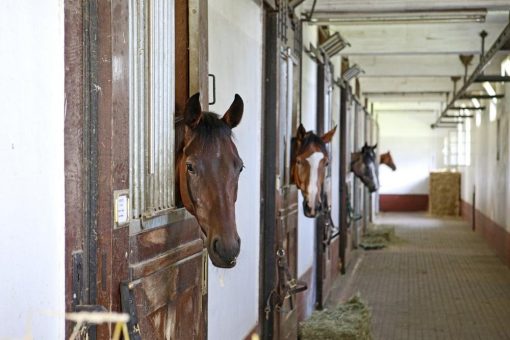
{"points": [[189, 167], [298, 162]]}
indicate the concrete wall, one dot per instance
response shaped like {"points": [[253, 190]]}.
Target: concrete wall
{"points": [[489, 175], [415, 148], [235, 57], [32, 171]]}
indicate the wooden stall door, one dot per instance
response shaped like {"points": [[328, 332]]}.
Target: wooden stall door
{"points": [[285, 193], [326, 262], [153, 266], [358, 188], [348, 139], [280, 196], [166, 291]]}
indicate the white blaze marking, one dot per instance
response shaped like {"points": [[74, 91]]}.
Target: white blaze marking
{"points": [[314, 161], [373, 171]]}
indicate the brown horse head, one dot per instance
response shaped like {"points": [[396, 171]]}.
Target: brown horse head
{"points": [[208, 170], [364, 166], [309, 161], [386, 158]]}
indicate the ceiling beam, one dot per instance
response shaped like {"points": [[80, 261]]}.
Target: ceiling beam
{"points": [[502, 39], [480, 96], [491, 78]]}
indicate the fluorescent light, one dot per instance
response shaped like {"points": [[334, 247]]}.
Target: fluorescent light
{"points": [[478, 118], [505, 67], [468, 124], [488, 88], [492, 111], [399, 17], [475, 102]]}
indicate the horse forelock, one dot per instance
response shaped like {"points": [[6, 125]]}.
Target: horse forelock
{"points": [[310, 140], [209, 130]]}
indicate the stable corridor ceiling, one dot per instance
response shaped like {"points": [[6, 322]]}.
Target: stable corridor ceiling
{"points": [[410, 49]]}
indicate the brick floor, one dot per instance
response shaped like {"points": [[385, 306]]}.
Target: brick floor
{"points": [[441, 282]]}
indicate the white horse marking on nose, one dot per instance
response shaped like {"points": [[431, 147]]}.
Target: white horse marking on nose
{"points": [[314, 161]]}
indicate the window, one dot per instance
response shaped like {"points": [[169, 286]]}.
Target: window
{"points": [[151, 107], [457, 146]]}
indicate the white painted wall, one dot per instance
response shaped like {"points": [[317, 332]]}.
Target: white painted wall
{"points": [[415, 148], [335, 151], [235, 57], [306, 225], [32, 171], [488, 175]]}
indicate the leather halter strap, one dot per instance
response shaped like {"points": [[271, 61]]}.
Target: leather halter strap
{"points": [[286, 285]]}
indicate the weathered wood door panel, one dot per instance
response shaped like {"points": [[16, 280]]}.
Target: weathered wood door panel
{"points": [[160, 259], [169, 300], [280, 196], [326, 262], [168, 281], [167, 264]]}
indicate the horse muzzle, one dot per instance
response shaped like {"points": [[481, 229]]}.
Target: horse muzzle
{"points": [[311, 212], [223, 253]]}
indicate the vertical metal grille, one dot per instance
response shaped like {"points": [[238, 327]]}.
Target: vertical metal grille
{"points": [[151, 106]]}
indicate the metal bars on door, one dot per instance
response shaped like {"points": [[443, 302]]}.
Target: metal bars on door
{"points": [[151, 106]]}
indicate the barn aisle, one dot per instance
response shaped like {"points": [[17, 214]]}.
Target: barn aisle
{"points": [[440, 282]]}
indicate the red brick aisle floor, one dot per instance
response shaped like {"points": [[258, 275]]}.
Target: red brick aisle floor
{"points": [[441, 282]]}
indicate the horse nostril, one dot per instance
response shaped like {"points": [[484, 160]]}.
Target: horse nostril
{"points": [[215, 245], [239, 241]]}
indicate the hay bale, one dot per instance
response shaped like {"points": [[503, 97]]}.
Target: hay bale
{"points": [[348, 321], [444, 193]]}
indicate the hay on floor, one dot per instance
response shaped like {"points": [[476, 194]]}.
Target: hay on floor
{"points": [[348, 321], [377, 237]]}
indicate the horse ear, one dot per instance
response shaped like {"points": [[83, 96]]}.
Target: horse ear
{"points": [[193, 111], [234, 113], [328, 136], [301, 132], [374, 147]]}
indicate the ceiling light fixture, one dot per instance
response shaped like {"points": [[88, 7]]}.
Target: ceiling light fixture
{"points": [[352, 72], [475, 102], [488, 88], [400, 17], [492, 111], [333, 44], [478, 119]]}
